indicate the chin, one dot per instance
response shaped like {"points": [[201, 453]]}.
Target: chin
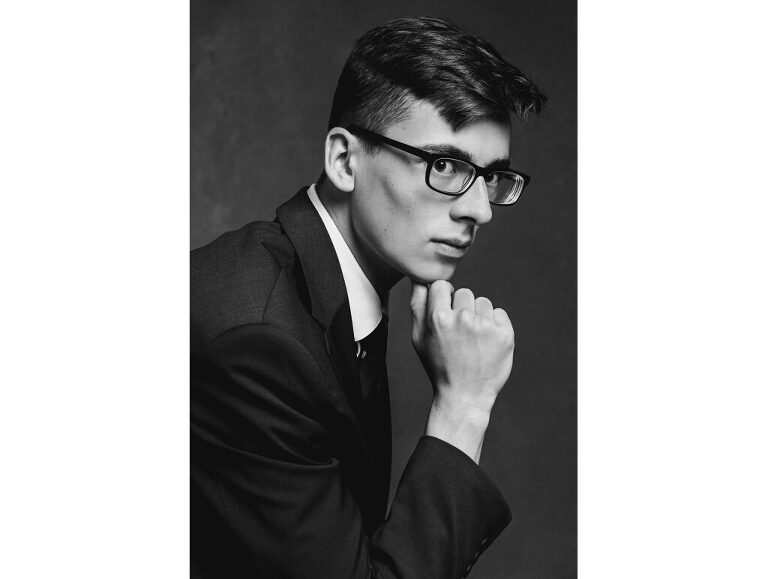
{"points": [[426, 275]]}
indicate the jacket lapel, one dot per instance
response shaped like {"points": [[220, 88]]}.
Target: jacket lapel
{"points": [[325, 284], [330, 308]]}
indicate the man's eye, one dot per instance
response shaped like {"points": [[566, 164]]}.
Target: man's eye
{"points": [[492, 179], [445, 167]]}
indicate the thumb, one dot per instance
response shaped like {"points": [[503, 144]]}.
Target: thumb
{"points": [[419, 295]]}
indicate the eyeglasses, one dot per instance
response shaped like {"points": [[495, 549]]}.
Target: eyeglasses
{"points": [[452, 176]]}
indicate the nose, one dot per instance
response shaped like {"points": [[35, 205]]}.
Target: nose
{"points": [[473, 205]]}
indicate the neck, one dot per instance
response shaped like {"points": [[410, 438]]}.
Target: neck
{"points": [[381, 275]]}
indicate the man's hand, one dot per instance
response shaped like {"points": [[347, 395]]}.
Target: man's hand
{"points": [[466, 347]]}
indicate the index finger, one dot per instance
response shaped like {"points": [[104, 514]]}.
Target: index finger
{"points": [[419, 293], [440, 293]]}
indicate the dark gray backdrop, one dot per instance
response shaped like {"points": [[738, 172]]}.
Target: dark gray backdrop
{"points": [[263, 75]]}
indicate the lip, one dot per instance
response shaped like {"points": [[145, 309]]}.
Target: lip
{"points": [[455, 242], [452, 247]]}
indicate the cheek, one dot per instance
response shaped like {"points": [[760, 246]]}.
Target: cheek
{"points": [[389, 215], [402, 227], [389, 230]]}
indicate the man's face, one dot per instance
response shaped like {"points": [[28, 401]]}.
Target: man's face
{"points": [[401, 225]]}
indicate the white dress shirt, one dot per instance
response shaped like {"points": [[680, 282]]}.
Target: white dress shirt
{"points": [[364, 303]]}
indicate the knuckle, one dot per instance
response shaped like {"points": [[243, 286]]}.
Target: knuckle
{"points": [[439, 318], [484, 301], [466, 316], [485, 323]]}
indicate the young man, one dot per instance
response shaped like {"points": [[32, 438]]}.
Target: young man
{"points": [[290, 404]]}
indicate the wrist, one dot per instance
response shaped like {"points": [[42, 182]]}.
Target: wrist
{"points": [[460, 399], [462, 426]]}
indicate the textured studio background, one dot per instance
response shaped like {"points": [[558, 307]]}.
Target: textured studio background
{"points": [[262, 79]]}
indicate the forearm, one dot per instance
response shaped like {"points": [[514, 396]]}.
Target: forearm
{"points": [[462, 425]]}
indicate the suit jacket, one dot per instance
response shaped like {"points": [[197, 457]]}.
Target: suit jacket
{"points": [[286, 481]]}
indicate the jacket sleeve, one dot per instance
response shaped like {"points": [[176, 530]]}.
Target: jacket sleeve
{"points": [[269, 497]]}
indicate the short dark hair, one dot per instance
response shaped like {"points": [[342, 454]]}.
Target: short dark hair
{"points": [[460, 74]]}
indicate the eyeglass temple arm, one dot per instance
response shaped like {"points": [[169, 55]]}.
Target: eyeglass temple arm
{"points": [[397, 144]]}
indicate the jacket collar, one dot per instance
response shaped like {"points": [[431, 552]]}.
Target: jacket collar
{"points": [[316, 255], [364, 302]]}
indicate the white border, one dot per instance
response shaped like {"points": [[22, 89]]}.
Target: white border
{"points": [[673, 288], [95, 240]]}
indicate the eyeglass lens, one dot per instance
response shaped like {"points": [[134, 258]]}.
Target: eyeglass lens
{"points": [[453, 176]]}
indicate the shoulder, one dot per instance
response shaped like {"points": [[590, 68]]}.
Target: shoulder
{"points": [[232, 279], [258, 242]]}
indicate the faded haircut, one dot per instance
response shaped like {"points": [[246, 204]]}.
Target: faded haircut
{"points": [[460, 74]]}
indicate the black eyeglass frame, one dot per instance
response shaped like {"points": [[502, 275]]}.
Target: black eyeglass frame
{"points": [[432, 158]]}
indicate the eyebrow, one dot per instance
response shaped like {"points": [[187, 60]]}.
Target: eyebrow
{"points": [[502, 163]]}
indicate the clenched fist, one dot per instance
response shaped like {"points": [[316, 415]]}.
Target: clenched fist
{"points": [[465, 345]]}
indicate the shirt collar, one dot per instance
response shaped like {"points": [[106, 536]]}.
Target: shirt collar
{"points": [[364, 303]]}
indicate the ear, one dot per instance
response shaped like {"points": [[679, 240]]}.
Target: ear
{"points": [[340, 147]]}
